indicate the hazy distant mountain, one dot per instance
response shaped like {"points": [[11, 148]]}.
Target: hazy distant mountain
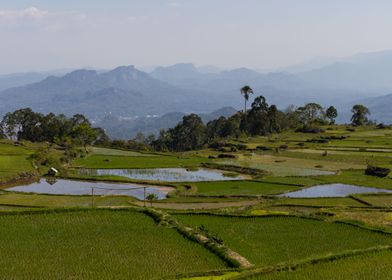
{"points": [[178, 74], [368, 72], [126, 129], [209, 69], [308, 65], [278, 87], [21, 79], [124, 91]]}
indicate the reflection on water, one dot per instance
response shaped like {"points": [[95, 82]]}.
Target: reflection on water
{"points": [[73, 187], [163, 174], [333, 190]]}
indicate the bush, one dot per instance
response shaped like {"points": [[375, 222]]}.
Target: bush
{"points": [[226, 156], [381, 126], [377, 171], [263, 148], [309, 130], [316, 140], [283, 147]]}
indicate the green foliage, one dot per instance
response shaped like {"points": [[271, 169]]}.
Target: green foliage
{"points": [[246, 91], [377, 171], [262, 119], [190, 134], [24, 124], [331, 114], [360, 115], [151, 197]]}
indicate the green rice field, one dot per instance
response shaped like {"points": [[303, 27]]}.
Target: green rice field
{"points": [[273, 240], [369, 266], [96, 245]]}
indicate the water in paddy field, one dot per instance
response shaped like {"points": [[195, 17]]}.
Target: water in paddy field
{"points": [[73, 187], [332, 190], [163, 174]]}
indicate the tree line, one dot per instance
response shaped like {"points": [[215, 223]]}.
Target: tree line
{"points": [[24, 124], [261, 119]]}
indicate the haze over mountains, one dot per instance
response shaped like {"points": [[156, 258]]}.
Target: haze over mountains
{"points": [[128, 95]]}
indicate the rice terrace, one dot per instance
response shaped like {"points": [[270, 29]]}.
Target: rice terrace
{"points": [[245, 226], [195, 140]]}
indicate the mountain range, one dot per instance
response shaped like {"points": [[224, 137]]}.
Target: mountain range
{"points": [[124, 91], [130, 96]]}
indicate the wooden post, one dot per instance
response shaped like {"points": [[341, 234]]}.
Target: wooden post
{"points": [[92, 197], [144, 196]]}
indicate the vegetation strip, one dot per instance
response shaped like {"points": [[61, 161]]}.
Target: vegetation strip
{"points": [[360, 200], [235, 168], [232, 258]]}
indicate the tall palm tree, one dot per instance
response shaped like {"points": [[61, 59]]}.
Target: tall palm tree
{"points": [[246, 91]]}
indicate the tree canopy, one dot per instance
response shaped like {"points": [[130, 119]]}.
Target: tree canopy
{"points": [[24, 124], [360, 115]]}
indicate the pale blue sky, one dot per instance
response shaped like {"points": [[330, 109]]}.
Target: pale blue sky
{"points": [[49, 34]]}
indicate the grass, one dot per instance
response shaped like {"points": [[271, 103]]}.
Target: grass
{"points": [[13, 160], [9, 208], [241, 188], [103, 161], [375, 265], [44, 200], [116, 152], [375, 218], [278, 169], [223, 276], [201, 199], [96, 245], [271, 240], [350, 177], [276, 159], [378, 200], [322, 202]]}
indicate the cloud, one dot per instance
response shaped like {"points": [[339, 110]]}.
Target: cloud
{"points": [[33, 18], [31, 13]]}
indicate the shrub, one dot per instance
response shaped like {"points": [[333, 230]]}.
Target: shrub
{"points": [[318, 140], [309, 130], [226, 156], [263, 148], [377, 171], [283, 147]]}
